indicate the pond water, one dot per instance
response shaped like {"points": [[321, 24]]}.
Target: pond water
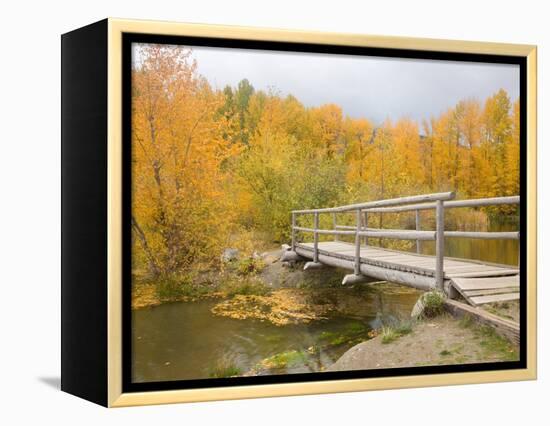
{"points": [[497, 251], [184, 340], [179, 341]]}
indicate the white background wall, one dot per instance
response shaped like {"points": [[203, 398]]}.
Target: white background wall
{"points": [[30, 200]]}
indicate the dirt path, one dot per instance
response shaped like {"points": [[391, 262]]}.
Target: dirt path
{"points": [[441, 341]]}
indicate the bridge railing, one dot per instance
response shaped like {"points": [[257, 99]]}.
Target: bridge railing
{"points": [[438, 201]]}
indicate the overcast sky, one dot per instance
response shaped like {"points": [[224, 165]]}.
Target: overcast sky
{"points": [[371, 87]]}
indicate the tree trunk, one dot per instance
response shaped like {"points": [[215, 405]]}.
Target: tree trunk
{"points": [[153, 266]]}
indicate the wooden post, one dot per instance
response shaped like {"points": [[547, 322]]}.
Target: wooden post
{"points": [[357, 266], [380, 227], [315, 238], [366, 225], [293, 244], [519, 251], [439, 243], [336, 237], [418, 248]]}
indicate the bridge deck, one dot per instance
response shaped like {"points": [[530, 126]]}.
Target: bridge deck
{"points": [[409, 262]]}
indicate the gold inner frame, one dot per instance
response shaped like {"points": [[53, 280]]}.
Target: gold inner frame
{"points": [[116, 27]]}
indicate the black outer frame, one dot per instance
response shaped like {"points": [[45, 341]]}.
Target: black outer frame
{"points": [[84, 212], [129, 38]]}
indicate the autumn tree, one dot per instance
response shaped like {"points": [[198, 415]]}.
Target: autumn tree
{"points": [[177, 150], [210, 165]]}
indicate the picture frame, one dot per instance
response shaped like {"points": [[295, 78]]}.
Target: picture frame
{"points": [[96, 352]]}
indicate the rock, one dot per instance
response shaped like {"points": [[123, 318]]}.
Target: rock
{"points": [[256, 256], [230, 254], [421, 309], [285, 247], [418, 309], [290, 255]]}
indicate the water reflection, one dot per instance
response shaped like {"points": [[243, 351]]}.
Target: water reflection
{"points": [[496, 251], [185, 340]]}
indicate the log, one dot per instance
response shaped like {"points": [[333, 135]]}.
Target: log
{"points": [[313, 265], [421, 282], [483, 235], [366, 226], [400, 235], [417, 226], [290, 255], [351, 279], [366, 229], [495, 201], [383, 203], [316, 238], [293, 236], [324, 231], [357, 243], [481, 300], [504, 327], [448, 234], [335, 226], [439, 244]]}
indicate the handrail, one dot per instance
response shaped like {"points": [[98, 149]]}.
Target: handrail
{"points": [[441, 196], [475, 202], [437, 201], [448, 234], [404, 234]]}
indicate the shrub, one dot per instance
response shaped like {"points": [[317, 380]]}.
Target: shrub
{"points": [[245, 286], [172, 287], [249, 266], [403, 328], [434, 303]]}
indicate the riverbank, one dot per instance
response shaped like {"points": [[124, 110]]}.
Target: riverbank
{"points": [[326, 326], [443, 340]]}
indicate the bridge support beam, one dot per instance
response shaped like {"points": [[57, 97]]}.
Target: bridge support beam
{"points": [[313, 265], [290, 255], [351, 279], [421, 282]]}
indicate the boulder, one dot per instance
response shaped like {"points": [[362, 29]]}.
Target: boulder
{"points": [[418, 309], [230, 254], [430, 304]]}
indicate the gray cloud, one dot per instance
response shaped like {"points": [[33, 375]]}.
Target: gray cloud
{"points": [[372, 87]]}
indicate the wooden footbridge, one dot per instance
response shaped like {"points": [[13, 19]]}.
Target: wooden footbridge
{"points": [[478, 282]]}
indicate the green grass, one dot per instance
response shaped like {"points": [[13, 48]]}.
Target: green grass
{"points": [[404, 328], [224, 367], [445, 352], [171, 288], [466, 321], [497, 310], [244, 285], [333, 339], [287, 359], [356, 328], [495, 345], [461, 359], [389, 335], [352, 332]]}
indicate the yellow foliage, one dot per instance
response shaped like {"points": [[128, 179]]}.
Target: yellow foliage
{"points": [[214, 168]]}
